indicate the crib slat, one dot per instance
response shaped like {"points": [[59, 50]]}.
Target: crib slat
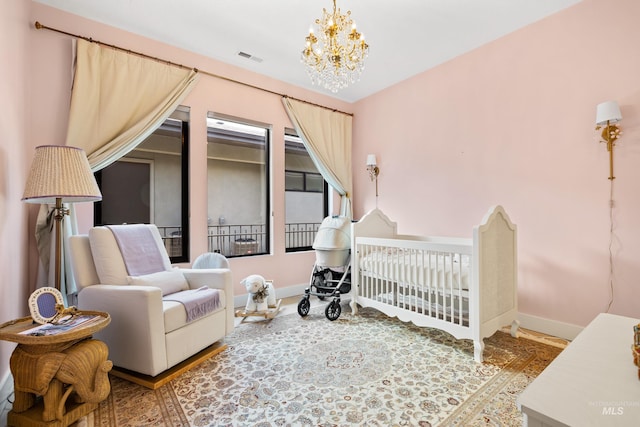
{"points": [[415, 279]]}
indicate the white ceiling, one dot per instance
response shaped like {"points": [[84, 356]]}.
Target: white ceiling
{"points": [[405, 37]]}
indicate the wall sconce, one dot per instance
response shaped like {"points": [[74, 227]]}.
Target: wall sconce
{"points": [[372, 167], [607, 115]]}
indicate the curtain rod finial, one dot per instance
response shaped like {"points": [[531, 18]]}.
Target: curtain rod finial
{"points": [[38, 25]]}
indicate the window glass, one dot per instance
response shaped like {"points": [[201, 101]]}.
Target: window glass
{"points": [[294, 181], [305, 195], [149, 185], [314, 183], [237, 182]]}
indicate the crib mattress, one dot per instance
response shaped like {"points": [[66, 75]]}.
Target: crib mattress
{"points": [[429, 269]]}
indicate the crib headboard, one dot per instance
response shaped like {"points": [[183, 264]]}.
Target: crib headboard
{"points": [[495, 243], [374, 224]]}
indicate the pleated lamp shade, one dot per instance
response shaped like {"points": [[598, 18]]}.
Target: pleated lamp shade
{"points": [[60, 172]]}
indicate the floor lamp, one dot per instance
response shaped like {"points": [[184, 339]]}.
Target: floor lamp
{"points": [[60, 174]]}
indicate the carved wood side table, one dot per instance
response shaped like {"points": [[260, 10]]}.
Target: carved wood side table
{"points": [[59, 377]]}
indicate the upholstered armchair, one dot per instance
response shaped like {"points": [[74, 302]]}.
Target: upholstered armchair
{"points": [[151, 328]]}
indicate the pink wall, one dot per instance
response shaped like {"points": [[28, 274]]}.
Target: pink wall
{"points": [[15, 157], [512, 123]]}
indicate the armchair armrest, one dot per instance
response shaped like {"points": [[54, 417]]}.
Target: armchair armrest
{"points": [[216, 278], [136, 332]]}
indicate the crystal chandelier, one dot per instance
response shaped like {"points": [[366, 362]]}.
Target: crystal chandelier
{"points": [[335, 58]]}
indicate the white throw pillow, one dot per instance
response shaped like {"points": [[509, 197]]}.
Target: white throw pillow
{"points": [[169, 281], [107, 257]]}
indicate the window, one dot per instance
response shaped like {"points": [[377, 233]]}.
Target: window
{"points": [[238, 186], [304, 181], [150, 185], [306, 195]]}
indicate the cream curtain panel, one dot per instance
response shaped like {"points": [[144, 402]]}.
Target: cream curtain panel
{"points": [[118, 100], [327, 137]]}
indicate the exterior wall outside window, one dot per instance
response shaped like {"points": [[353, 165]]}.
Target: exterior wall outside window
{"points": [[237, 183]]}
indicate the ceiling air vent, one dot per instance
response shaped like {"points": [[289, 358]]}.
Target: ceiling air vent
{"points": [[249, 56]]}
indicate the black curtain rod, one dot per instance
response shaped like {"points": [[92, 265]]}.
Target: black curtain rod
{"points": [[39, 26]]}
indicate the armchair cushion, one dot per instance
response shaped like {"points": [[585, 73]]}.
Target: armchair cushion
{"points": [[111, 267], [168, 281]]}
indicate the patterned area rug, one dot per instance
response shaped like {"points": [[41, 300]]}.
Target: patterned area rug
{"points": [[367, 370]]}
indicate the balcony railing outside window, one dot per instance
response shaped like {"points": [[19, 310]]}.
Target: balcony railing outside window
{"points": [[172, 239], [239, 240], [300, 235]]}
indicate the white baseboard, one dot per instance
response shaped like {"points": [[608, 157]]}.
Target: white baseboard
{"points": [[6, 389], [289, 291], [567, 331]]}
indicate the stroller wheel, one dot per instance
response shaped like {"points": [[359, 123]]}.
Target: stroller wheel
{"points": [[333, 310], [303, 306]]}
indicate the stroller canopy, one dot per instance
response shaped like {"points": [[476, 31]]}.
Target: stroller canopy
{"points": [[334, 233]]}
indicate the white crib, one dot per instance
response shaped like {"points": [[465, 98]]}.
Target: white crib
{"points": [[466, 287]]}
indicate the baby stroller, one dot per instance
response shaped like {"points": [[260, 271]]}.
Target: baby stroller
{"points": [[331, 274]]}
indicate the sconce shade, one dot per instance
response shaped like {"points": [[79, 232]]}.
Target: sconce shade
{"points": [[608, 111], [371, 160], [60, 172]]}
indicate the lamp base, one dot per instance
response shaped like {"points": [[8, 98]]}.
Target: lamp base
{"points": [[60, 212]]}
